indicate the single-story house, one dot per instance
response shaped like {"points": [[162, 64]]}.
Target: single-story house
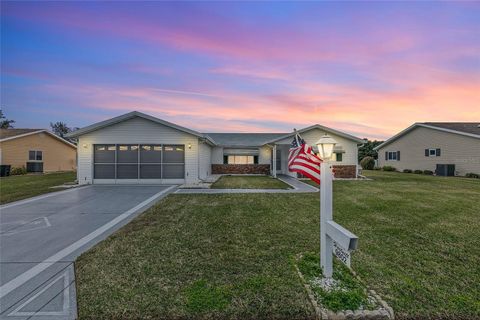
{"points": [[139, 148], [447, 148], [38, 150]]}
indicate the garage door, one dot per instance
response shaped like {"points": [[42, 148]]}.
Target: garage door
{"points": [[139, 162]]}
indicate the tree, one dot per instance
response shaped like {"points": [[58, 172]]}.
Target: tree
{"points": [[4, 122], [60, 128], [367, 149]]}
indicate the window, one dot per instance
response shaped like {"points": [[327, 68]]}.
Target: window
{"points": [[34, 155], [239, 159], [432, 152], [392, 155], [338, 156]]}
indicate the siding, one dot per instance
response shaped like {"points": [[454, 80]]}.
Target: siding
{"points": [[217, 155], [456, 149], [136, 130], [350, 157], [57, 156], [205, 160]]}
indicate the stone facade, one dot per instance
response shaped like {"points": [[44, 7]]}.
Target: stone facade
{"points": [[241, 169], [346, 171]]}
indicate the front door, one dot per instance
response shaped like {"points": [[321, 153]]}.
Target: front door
{"points": [[279, 161]]}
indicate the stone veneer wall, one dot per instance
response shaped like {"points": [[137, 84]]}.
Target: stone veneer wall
{"points": [[241, 169], [345, 171]]}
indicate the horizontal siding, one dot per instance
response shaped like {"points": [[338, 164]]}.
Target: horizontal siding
{"points": [[205, 160], [456, 149], [217, 155], [133, 131], [57, 156]]}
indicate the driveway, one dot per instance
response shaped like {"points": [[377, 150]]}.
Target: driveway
{"points": [[41, 237]]}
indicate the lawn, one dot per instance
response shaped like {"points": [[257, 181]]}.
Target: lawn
{"points": [[15, 188], [230, 255], [249, 182]]}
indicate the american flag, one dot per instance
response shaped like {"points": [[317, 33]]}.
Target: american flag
{"points": [[303, 160]]}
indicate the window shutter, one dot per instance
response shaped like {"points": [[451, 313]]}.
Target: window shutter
{"points": [[398, 155], [426, 152], [437, 152], [386, 155]]}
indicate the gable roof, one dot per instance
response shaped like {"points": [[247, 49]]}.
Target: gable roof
{"points": [[130, 115], [317, 126], [470, 129], [10, 134], [243, 139]]}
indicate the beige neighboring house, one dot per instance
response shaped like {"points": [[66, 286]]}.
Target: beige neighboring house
{"points": [[38, 150], [446, 148]]}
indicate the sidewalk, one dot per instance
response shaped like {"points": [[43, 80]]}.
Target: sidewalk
{"points": [[297, 187]]}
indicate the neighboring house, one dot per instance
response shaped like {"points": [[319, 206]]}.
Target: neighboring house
{"points": [[447, 148], [138, 148], [37, 150]]}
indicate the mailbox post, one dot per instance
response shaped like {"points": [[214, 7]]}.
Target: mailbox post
{"points": [[330, 231]]}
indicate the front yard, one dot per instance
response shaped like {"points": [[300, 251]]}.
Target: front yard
{"points": [[249, 182], [230, 255], [15, 188]]}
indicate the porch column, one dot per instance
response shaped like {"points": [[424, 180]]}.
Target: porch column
{"points": [[274, 162]]}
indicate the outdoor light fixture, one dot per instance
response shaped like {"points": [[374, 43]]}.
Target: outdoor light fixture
{"points": [[189, 146], [85, 146], [325, 146]]}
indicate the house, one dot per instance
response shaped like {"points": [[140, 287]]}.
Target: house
{"points": [[38, 150], [447, 148], [138, 148]]}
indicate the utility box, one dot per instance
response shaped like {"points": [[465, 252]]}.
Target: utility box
{"points": [[445, 170]]}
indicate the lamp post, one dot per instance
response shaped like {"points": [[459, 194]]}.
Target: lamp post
{"points": [[325, 147]]}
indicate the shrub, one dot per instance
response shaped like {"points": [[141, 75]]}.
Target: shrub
{"points": [[367, 163], [428, 172], [407, 170], [418, 171], [377, 168], [18, 171], [389, 168], [472, 175]]}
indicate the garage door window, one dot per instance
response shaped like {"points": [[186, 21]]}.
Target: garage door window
{"points": [[133, 161]]}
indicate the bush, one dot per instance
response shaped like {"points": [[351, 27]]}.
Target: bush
{"points": [[407, 170], [472, 175], [428, 172], [389, 168], [18, 171], [418, 171], [377, 168], [367, 163]]}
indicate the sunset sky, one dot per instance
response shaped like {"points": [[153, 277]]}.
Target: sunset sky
{"points": [[370, 68]]}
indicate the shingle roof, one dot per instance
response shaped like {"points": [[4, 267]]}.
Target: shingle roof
{"points": [[243, 139], [467, 127], [8, 133]]}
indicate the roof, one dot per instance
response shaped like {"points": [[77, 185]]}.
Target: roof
{"points": [[470, 129], [10, 134], [130, 115], [243, 139], [317, 126]]}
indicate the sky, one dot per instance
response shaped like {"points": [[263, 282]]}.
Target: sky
{"points": [[367, 68]]}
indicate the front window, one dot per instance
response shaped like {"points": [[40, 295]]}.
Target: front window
{"points": [[241, 159], [339, 157], [35, 155], [432, 152]]}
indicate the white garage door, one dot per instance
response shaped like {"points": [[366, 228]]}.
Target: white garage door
{"points": [[127, 163]]}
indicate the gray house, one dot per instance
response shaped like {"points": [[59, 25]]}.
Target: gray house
{"points": [[447, 148], [138, 148]]}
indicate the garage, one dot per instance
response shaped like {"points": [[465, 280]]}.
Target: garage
{"points": [[138, 163]]}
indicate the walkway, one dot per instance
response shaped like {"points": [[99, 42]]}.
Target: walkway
{"points": [[297, 187]]}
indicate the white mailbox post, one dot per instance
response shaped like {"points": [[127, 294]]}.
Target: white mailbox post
{"points": [[334, 239]]}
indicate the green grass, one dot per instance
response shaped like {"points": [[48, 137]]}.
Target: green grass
{"points": [[231, 255], [249, 182], [15, 188]]}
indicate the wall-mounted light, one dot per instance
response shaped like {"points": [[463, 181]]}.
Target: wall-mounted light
{"points": [[189, 146], [85, 145]]}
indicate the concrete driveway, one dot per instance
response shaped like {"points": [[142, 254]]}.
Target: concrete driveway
{"points": [[41, 237]]}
